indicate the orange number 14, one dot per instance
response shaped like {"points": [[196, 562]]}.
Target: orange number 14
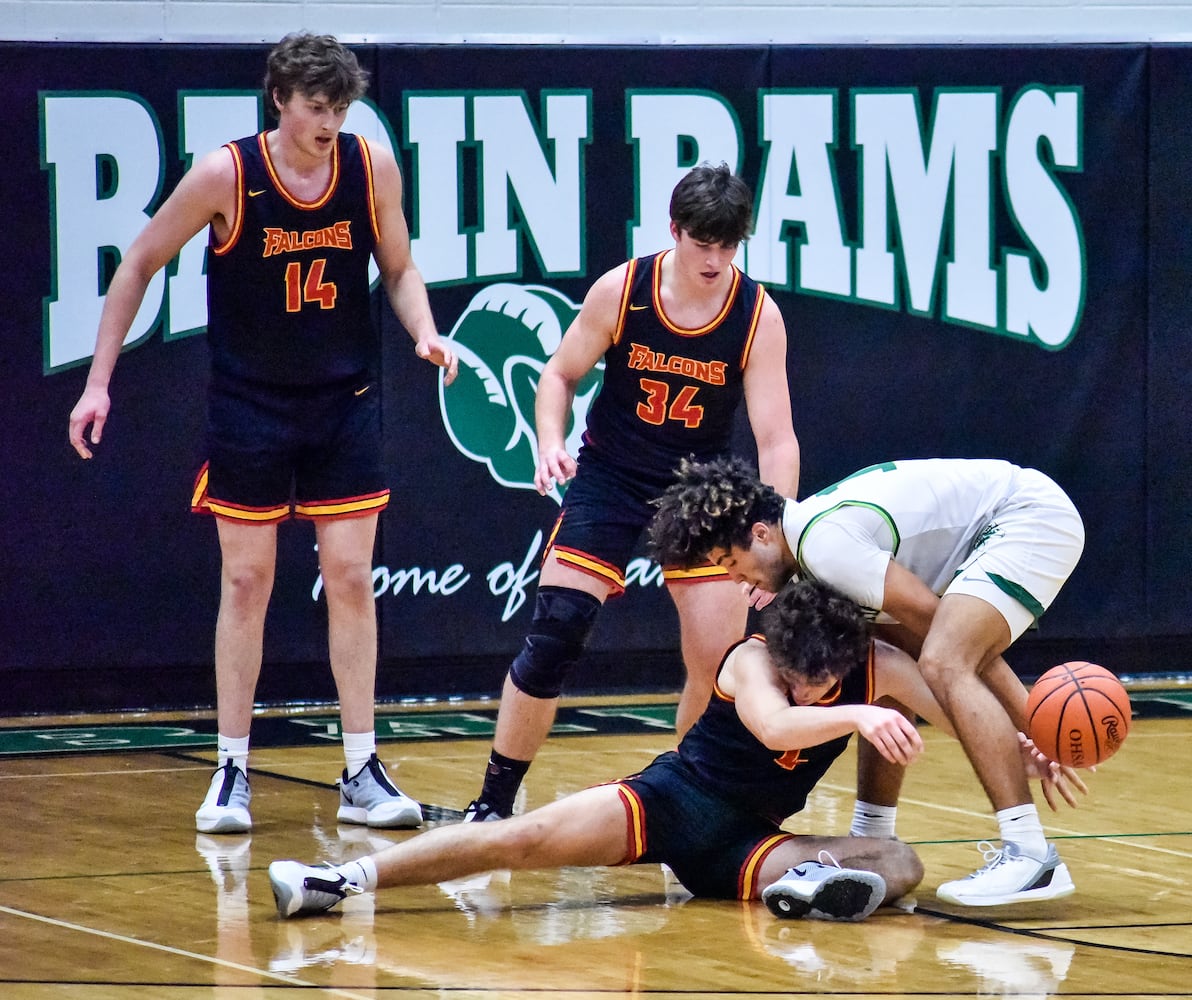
{"points": [[313, 289]]}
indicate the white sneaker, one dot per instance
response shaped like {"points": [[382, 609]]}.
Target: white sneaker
{"points": [[825, 892], [299, 888], [225, 809], [370, 798], [1009, 876]]}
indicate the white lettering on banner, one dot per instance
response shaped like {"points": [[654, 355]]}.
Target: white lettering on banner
{"points": [[537, 168], [506, 579], [672, 131], [104, 157], [1046, 308], [799, 134], [928, 187], [917, 187]]}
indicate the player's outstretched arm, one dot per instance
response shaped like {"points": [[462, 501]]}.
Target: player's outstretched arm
{"points": [[205, 195]]}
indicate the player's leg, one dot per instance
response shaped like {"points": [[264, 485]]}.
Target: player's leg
{"points": [[367, 794], [345, 562], [965, 635], [249, 555], [879, 785], [713, 614], [1012, 576], [837, 878], [565, 608], [584, 829]]}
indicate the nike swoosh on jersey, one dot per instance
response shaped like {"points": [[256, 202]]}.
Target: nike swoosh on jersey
{"points": [[362, 391], [633, 308], [253, 194]]}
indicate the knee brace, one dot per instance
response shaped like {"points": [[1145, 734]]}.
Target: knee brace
{"points": [[563, 620]]}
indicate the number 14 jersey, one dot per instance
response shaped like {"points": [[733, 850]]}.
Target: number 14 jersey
{"points": [[288, 292]]}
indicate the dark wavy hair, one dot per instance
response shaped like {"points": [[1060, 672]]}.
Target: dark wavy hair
{"points": [[313, 64], [815, 633], [713, 205], [710, 505]]}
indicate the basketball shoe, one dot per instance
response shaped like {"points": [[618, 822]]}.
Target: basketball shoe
{"points": [[370, 798], [225, 809], [825, 891], [299, 888], [1009, 876]]}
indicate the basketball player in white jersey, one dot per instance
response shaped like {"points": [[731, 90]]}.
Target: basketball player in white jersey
{"points": [[953, 559]]}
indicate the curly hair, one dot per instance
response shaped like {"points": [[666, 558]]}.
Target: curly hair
{"points": [[815, 633], [313, 64], [713, 205], [711, 505]]}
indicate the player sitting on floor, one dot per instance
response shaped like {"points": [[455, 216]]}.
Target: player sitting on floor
{"points": [[783, 710]]}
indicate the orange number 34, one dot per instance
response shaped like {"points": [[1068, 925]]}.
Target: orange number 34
{"points": [[655, 408], [313, 289]]}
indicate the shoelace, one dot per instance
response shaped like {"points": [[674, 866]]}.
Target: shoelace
{"points": [[831, 860], [991, 854]]}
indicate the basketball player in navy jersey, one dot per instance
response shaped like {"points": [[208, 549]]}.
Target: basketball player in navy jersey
{"points": [[294, 215], [783, 710], [684, 336]]}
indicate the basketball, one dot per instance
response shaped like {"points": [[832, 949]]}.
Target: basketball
{"points": [[1078, 714]]}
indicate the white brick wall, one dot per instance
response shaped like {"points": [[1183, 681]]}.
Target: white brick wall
{"points": [[617, 21]]}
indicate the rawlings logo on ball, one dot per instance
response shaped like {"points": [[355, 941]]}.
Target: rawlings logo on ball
{"points": [[503, 339]]}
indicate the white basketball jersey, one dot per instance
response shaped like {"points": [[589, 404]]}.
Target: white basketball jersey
{"points": [[926, 514]]}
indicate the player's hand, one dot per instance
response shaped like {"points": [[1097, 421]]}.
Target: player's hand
{"points": [[92, 408], [1057, 780], [757, 597], [891, 732], [555, 467], [438, 351]]}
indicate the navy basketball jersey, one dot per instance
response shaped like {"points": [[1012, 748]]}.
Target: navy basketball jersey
{"points": [[730, 761], [288, 292], [670, 392]]}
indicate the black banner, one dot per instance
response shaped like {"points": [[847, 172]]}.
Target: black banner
{"points": [[978, 251]]}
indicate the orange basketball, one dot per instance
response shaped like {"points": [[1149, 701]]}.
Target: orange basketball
{"points": [[1078, 714]]}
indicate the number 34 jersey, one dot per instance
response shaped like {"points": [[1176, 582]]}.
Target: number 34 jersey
{"points": [[288, 292], [670, 392]]}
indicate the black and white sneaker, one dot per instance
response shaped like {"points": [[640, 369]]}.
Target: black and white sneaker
{"points": [[225, 807], [369, 798], [825, 892], [299, 888]]}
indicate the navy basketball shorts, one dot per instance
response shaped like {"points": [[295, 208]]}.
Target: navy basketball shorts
{"points": [[714, 847], [276, 452], [605, 511]]}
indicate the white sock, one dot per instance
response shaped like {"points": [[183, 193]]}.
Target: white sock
{"points": [[362, 872], [233, 749], [1021, 825], [358, 747], [873, 821]]}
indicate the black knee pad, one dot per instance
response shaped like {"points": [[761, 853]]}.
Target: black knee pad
{"points": [[563, 620]]}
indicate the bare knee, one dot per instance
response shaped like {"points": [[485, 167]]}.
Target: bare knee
{"points": [[905, 870], [895, 861], [246, 586], [522, 841], [347, 582]]}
